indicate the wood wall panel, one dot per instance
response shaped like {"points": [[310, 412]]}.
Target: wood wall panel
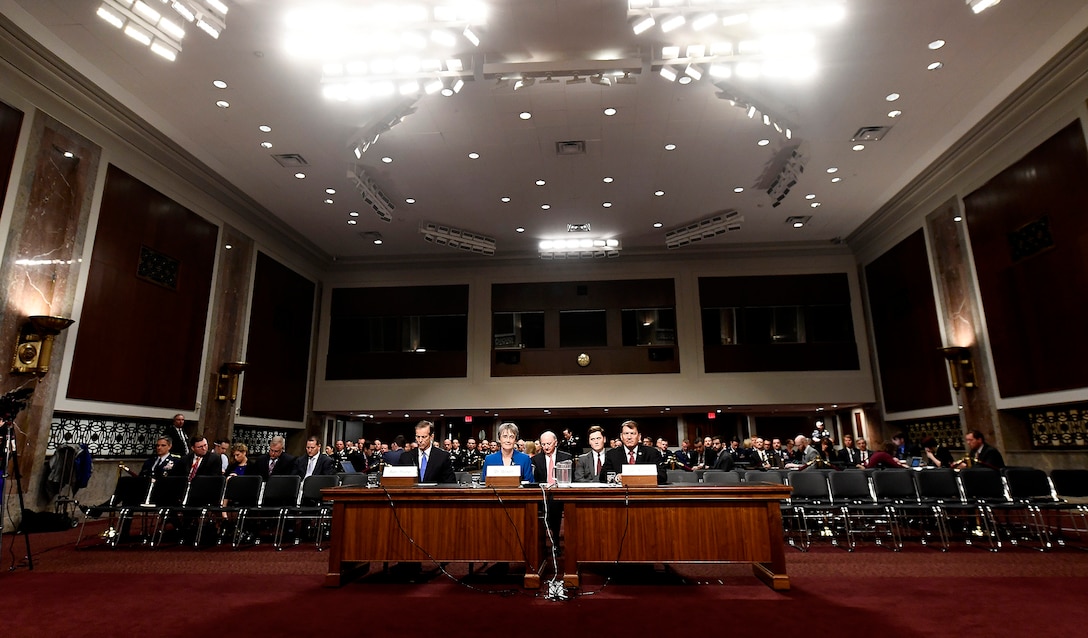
{"points": [[278, 348], [141, 343], [913, 375], [1034, 304], [11, 121]]}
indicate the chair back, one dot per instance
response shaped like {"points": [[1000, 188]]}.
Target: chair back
{"points": [[204, 491], [130, 491], [168, 491], [244, 490], [850, 486], [895, 485], [982, 484], [312, 485], [1028, 484], [682, 476], [281, 491], [809, 486], [463, 478], [352, 479], [1070, 482], [938, 485], [756, 477], [721, 478]]}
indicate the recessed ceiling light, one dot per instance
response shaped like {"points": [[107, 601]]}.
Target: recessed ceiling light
{"points": [[353, 213], [607, 204], [933, 66], [833, 170], [895, 113], [810, 196], [658, 224], [474, 156], [739, 189], [659, 193], [608, 180], [525, 115], [798, 224], [891, 97], [545, 206], [300, 175], [957, 218], [519, 229], [265, 128], [378, 241], [505, 200], [610, 111], [936, 44], [387, 160], [352, 222], [330, 191], [858, 147], [228, 246], [409, 200], [266, 144], [223, 104], [540, 182], [328, 201], [670, 147], [763, 142], [219, 84], [836, 180], [815, 204]]}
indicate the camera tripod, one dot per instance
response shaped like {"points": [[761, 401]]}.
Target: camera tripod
{"points": [[10, 405]]}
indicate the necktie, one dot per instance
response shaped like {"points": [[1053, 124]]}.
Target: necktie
{"points": [[551, 469], [598, 455], [196, 464], [631, 457], [271, 466], [310, 465], [422, 466]]}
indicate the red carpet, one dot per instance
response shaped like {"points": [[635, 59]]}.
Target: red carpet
{"points": [[261, 592]]}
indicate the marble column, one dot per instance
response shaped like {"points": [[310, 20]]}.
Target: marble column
{"points": [[42, 258]]}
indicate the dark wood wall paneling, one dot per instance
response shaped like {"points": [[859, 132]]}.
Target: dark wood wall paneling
{"points": [[611, 296], [278, 348], [777, 290], [11, 121], [349, 305], [913, 375], [141, 343], [1035, 303]]}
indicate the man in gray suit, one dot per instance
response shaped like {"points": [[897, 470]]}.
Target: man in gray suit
{"points": [[587, 467]]}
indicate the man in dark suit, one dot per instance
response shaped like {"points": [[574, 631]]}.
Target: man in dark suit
{"points": [[199, 462], [178, 438], [630, 452], [276, 462], [587, 467], [849, 455], [981, 454], [163, 461], [315, 462], [433, 465], [396, 448], [544, 462]]}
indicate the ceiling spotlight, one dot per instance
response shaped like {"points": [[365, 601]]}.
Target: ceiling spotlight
{"points": [[524, 83], [739, 189], [693, 72], [751, 112], [978, 6], [387, 160], [300, 175], [684, 79], [525, 115], [936, 44], [704, 21], [540, 182], [266, 144], [659, 193], [545, 206], [264, 128], [658, 224], [608, 180], [601, 80], [763, 142], [505, 200], [891, 97], [548, 80], [352, 222], [607, 204], [672, 23], [895, 113], [409, 200], [643, 25], [519, 229], [610, 111], [474, 156], [858, 147], [577, 79], [833, 169], [836, 180], [670, 147], [223, 104], [810, 196], [933, 66], [626, 79], [471, 36], [668, 73], [353, 213]]}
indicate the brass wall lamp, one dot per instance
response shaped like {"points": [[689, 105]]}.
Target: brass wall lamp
{"points": [[960, 366], [34, 347], [227, 385]]}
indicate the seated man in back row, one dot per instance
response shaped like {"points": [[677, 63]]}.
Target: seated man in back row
{"points": [[631, 453]]}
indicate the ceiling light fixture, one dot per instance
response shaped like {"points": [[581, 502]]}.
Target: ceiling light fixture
{"points": [[525, 115], [576, 79], [978, 6], [579, 248], [672, 23], [644, 24], [601, 80], [936, 44], [668, 73], [787, 178], [729, 221], [610, 111], [457, 238], [626, 79], [372, 194], [933, 66]]}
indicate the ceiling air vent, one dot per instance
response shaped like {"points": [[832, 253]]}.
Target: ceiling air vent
{"points": [[578, 228], [870, 133], [290, 160], [572, 147]]}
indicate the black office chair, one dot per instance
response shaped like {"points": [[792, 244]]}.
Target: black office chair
{"points": [[811, 507], [310, 507], [897, 490], [721, 478], [681, 476], [203, 493], [862, 513], [280, 492], [129, 493]]}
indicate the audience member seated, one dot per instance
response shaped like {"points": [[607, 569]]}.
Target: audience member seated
{"points": [[981, 454], [199, 462], [276, 462], [848, 455], [163, 461], [935, 454], [314, 462], [884, 458], [239, 463]]}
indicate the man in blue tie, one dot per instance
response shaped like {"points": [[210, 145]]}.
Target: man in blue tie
{"points": [[432, 463]]}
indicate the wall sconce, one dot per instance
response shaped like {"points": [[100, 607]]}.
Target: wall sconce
{"points": [[34, 347], [960, 366], [227, 386]]}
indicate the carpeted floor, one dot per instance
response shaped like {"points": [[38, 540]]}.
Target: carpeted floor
{"points": [[259, 591]]}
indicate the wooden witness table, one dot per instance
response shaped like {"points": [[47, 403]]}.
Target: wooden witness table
{"points": [[669, 524]]}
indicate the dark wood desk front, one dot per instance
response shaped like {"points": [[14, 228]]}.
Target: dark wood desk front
{"points": [[670, 524], [448, 524], [675, 524]]}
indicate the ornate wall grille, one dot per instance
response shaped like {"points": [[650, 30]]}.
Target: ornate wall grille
{"points": [[1059, 427], [946, 429], [126, 437], [158, 268]]}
